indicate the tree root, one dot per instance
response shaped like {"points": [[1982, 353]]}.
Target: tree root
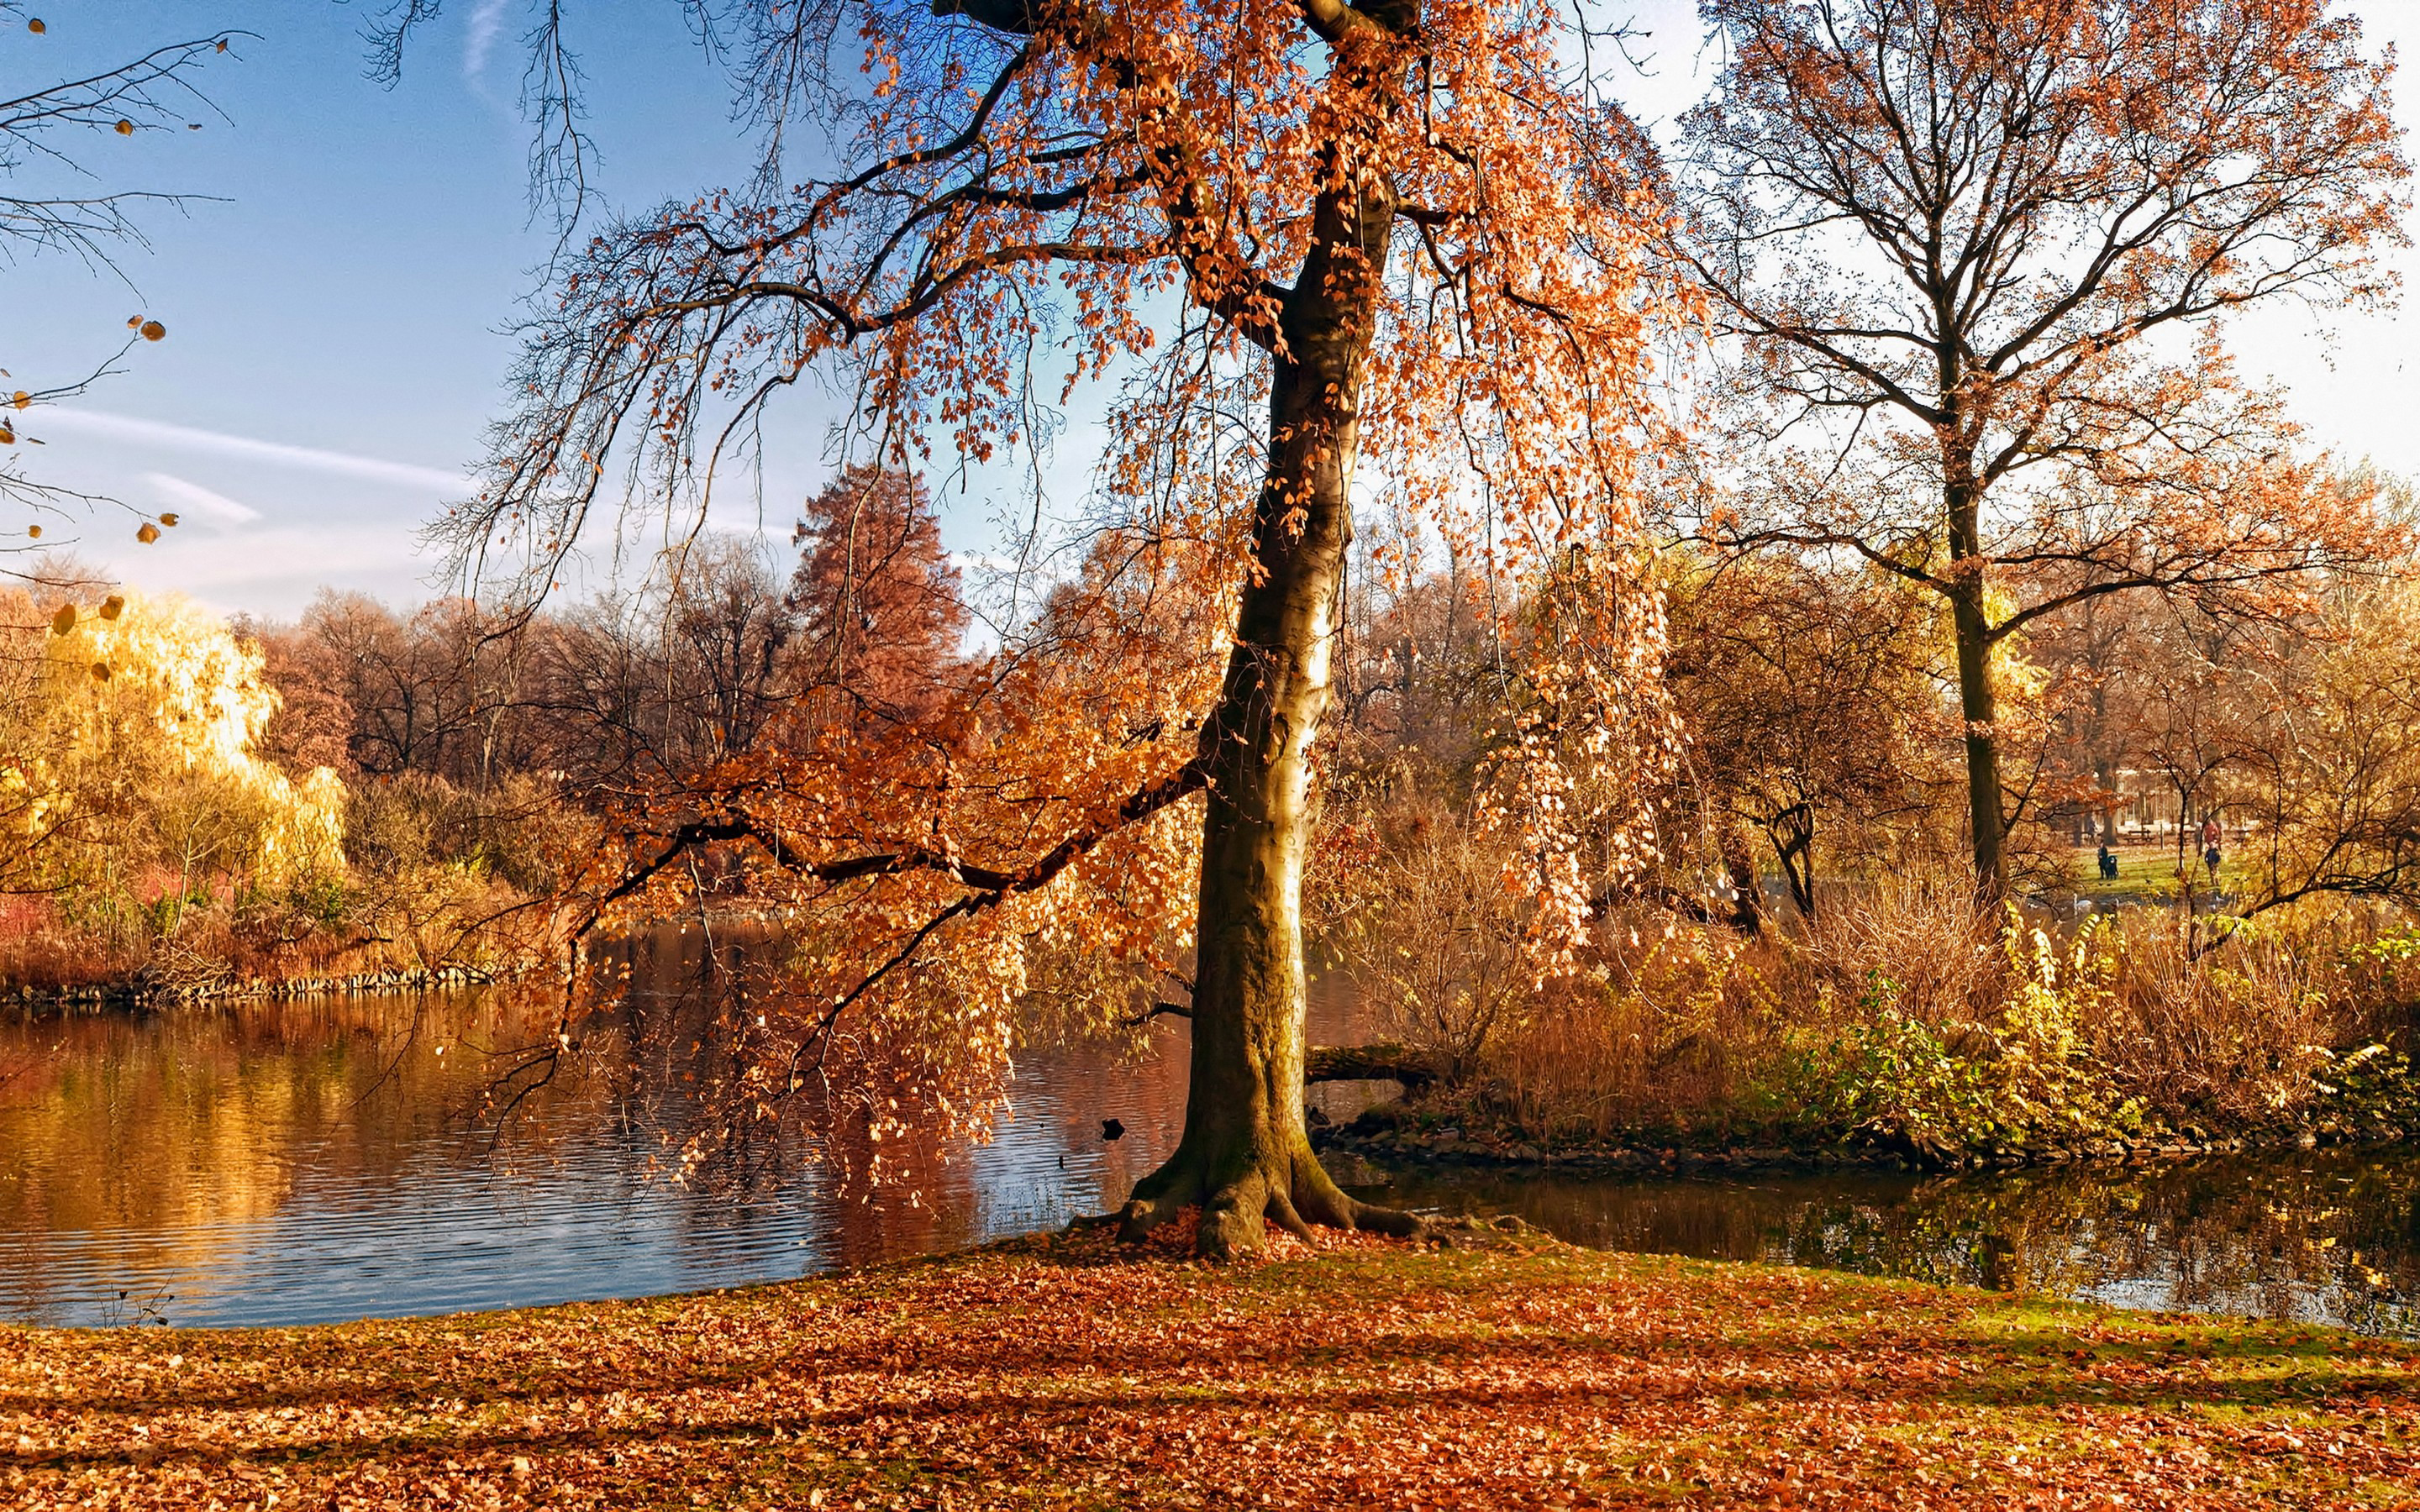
{"points": [[1238, 1206]]}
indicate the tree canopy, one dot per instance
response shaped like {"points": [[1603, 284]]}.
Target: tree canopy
{"points": [[1973, 256], [1314, 254]]}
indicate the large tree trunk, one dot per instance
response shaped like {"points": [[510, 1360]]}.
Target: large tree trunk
{"points": [[1245, 1157], [1970, 624]]}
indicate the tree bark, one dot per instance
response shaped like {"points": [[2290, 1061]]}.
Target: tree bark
{"points": [[1245, 1157], [1978, 701]]}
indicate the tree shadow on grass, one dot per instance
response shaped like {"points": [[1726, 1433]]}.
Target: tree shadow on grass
{"points": [[969, 1395]]}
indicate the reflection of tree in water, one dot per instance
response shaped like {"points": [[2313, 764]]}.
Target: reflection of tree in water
{"points": [[142, 1145], [2325, 1235], [1031, 1158], [240, 1152], [134, 1145], [187, 1117]]}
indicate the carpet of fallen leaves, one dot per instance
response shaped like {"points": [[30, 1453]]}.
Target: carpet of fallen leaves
{"points": [[1063, 1372]]}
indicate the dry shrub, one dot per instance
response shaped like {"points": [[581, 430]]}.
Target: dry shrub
{"points": [[1680, 1028], [38, 945], [1921, 934], [1413, 901], [1657, 1036], [1909, 1016], [2237, 1034], [2368, 953], [436, 880]]}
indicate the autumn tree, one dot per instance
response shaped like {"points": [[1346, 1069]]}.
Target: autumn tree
{"points": [[728, 635], [1973, 256], [1310, 250], [1811, 704], [883, 613], [1422, 682], [2327, 773], [131, 742], [313, 724], [653, 683], [2302, 737], [2090, 649], [51, 202], [421, 691]]}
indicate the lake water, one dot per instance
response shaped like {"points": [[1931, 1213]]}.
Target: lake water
{"points": [[322, 1160], [317, 1160], [2320, 1236]]}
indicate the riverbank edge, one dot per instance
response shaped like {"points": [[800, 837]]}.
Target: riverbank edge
{"points": [[140, 995], [138, 990], [1404, 1143], [1507, 1368]]}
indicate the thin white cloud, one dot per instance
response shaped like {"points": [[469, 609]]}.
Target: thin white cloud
{"points": [[218, 443], [192, 498], [274, 569], [479, 38]]}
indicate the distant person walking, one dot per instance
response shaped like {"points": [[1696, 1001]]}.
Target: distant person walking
{"points": [[2210, 838], [2108, 863]]}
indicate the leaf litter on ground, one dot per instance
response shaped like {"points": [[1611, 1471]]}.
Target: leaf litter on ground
{"points": [[1505, 1370]]}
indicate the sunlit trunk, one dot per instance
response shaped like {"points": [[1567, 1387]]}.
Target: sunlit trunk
{"points": [[1245, 1157]]}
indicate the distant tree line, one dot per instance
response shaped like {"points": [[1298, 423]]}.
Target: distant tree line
{"points": [[628, 689]]}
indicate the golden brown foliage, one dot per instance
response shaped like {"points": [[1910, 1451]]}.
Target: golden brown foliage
{"points": [[1060, 1374], [1906, 1018], [1307, 252]]}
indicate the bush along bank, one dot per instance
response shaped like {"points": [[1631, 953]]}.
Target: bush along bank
{"points": [[1456, 1131], [145, 991], [2111, 1045]]}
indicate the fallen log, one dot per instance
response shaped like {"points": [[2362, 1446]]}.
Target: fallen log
{"points": [[1414, 1070]]}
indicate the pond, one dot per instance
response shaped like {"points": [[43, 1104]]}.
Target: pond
{"points": [[317, 1160], [2320, 1236]]}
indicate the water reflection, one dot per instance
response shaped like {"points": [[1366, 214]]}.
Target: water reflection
{"points": [[2320, 1236], [319, 1161], [312, 1162]]}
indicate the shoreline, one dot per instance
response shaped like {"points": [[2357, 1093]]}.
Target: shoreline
{"points": [[137, 996], [1449, 1146]]}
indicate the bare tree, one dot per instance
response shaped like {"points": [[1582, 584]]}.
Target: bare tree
{"points": [[1973, 251]]}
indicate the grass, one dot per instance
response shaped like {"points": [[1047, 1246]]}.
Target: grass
{"points": [[2145, 873], [1065, 1373]]}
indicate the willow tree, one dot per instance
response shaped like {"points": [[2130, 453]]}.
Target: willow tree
{"points": [[1974, 255], [1298, 251]]}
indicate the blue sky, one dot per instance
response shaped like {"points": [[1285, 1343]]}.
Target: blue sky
{"points": [[335, 294], [337, 305]]}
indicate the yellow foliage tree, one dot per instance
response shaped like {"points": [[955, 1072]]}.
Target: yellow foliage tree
{"points": [[134, 739]]}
